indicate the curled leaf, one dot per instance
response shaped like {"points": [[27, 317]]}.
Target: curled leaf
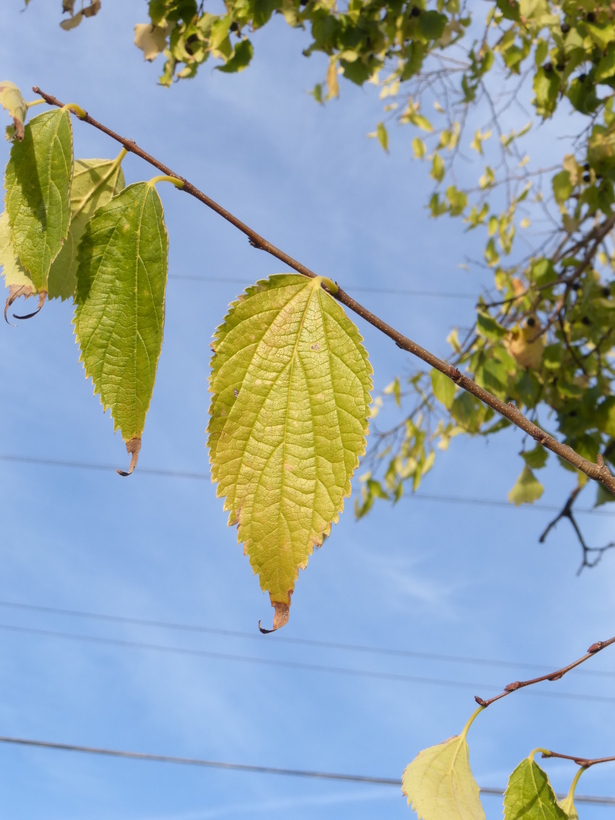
{"points": [[133, 448], [14, 103], [15, 277], [289, 416]]}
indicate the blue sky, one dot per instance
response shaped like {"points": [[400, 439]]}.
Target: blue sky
{"points": [[426, 576]]}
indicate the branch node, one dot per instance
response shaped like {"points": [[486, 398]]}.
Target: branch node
{"points": [[595, 647], [480, 701], [512, 687]]}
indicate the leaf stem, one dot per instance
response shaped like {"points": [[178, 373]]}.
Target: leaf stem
{"points": [[599, 471], [473, 717], [534, 752], [76, 109], [35, 102], [179, 183]]}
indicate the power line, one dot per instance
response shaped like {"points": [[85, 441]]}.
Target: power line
{"points": [[193, 476], [339, 670], [243, 767], [349, 288], [408, 653]]}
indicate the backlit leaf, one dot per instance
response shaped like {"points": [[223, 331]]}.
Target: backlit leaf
{"points": [[15, 277], [152, 40], [119, 312], [529, 795], [440, 785], [38, 181], [527, 488], [443, 388], [289, 417], [95, 182], [14, 103]]}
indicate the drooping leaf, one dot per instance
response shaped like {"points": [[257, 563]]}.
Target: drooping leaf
{"points": [[439, 783], [289, 416], [15, 277], [14, 103], [119, 313], [527, 488], [95, 182], [38, 181], [529, 795], [536, 458]]}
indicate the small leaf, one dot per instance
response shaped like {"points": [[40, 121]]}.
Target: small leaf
{"points": [[438, 168], [152, 40], [72, 22], [95, 182], [14, 103], [38, 181], [332, 83], [443, 388], [123, 255], [537, 458], [439, 783], [383, 137], [529, 795], [289, 416], [418, 148], [527, 488], [562, 187], [240, 59]]}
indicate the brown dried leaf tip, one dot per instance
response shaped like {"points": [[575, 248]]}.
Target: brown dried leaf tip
{"points": [[133, 448], [280, 619], [15, 291]]}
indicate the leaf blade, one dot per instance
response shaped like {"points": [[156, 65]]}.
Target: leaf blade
{"points": [[95, 182], [38, 181], [439, 783], [290, 386], [124, 252], [529, 795]]}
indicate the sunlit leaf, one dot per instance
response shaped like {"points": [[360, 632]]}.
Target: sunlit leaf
{"points": [[527, 488], [14, 103], [443, 388], [152, 40], [119, 312], [95, 182], [529, 795], [439, 783], [289, 412], [38, 181]]}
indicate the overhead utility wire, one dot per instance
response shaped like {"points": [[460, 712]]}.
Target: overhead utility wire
{"points": [[338, 670], [165, 473], [243, 767], [210, 630], [395, 291]]}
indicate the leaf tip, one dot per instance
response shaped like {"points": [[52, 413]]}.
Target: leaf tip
{"points": [[133, 448], [280, 619]]}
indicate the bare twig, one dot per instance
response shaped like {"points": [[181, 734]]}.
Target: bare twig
{"points": [[599, 472], [566, 512], [583, 762], [551, 676]]}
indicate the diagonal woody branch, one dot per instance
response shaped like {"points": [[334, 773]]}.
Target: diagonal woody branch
{"points": [[550, 676], [598, 472]]}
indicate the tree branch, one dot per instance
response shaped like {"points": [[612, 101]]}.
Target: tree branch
{"points": [[551, 676], [583, 762], [598, 472], [566, 512]]}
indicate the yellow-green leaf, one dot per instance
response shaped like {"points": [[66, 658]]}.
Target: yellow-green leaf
{"points": [[527, 488], [529, 795], [440, 785], [14, 103], [95, 182], [119, 313], [15, 277], [289, 416], [38, 181]]}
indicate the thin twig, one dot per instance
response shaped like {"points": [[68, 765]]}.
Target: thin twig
{"points": [[551, 676], [583, 762], [566, 512], [599, 472]]}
